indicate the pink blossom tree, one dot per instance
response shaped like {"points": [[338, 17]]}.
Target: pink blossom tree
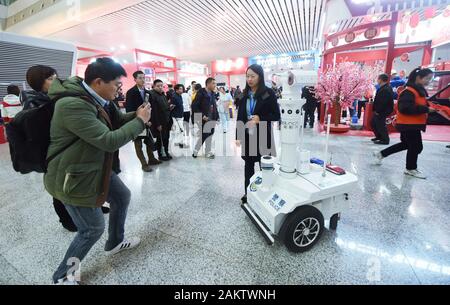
{"points": [[340, 86]]}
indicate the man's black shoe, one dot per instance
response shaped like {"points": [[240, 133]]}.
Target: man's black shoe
{"points": [[375, 139], [378, 142]]}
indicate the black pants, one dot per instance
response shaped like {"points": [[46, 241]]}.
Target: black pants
{"points": [[186, 118], [250, 171], [62, 213], [361, 105], [379, 128], [410, 140], [309, 116], [163, 139]]}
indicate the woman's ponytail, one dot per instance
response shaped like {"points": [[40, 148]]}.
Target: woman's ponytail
{"points": [[418, 72]]}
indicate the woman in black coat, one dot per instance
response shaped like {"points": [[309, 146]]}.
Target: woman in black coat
{"points": [[257, 109]]}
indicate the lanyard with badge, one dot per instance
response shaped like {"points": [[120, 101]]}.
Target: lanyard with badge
{"points": [[252, 106]]}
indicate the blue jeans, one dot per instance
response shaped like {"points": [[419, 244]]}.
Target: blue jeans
{"points": [[91, 224]]}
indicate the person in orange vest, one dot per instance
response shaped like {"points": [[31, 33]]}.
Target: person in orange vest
{"points": [[412, 116]]}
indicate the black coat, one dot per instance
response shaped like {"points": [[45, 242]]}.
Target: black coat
{"points": [[159, 101], [134, 101], [206, 105], [34, 99], [268, 110], [311, 100], [383, 103]]}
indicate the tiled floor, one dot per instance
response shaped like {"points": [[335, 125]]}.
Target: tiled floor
{"points": [[194, 232]]}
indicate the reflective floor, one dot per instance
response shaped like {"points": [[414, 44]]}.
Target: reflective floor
{"points": [[193, 230]]}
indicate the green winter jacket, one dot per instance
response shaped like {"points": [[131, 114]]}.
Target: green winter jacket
{"points": [[76, 176]]}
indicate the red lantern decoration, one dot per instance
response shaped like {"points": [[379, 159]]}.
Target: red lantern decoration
{"points": [[404, 57], [430, 12], [350, 37], [335, 42], [415, 20], [371, 33]]}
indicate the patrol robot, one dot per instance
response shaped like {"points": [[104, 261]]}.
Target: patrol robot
{"points": [[291, 197]]}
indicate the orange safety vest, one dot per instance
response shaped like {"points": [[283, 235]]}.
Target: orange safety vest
{"points": [[413, 119]]}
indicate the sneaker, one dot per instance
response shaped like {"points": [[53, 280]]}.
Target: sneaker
{"points": [[169, 157], [378, 158], [374, 139], [195, 154], [415, 173], [125, 245], [66, 282], [210, 155]]}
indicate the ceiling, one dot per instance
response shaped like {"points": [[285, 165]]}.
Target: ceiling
{"points": [[202, 31]]}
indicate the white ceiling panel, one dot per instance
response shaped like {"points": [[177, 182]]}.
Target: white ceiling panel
{"points": [[203, 30]]}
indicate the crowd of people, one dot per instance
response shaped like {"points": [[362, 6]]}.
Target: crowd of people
{"points": [[88, 128]]}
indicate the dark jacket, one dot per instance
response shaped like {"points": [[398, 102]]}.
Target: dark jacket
{"points": [[33, 99], [311, 101], [384, 101], [407, 105], [207, 105], [268, 110], [170, 93], [177, 101], [159, 101], [134, 101]]}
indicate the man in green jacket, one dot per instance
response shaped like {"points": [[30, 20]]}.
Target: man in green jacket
{"points": [[85, 132]]}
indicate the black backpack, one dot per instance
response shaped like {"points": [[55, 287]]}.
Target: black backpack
{"points": [[29, 139]]}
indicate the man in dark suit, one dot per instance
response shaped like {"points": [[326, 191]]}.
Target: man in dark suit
{"points": [[207, 103], [383, 106], [136, 96]]}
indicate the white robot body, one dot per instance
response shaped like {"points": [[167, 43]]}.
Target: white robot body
{"points": [[280, 195]]}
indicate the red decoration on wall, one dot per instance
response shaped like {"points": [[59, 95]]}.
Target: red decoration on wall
{"points": [[335, 42], [430, 12], [350, 37], [371, 33], [404, 57], [415, 20]]}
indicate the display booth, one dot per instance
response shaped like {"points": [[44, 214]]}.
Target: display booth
{"points": [[398, 41], [230, 71]]}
